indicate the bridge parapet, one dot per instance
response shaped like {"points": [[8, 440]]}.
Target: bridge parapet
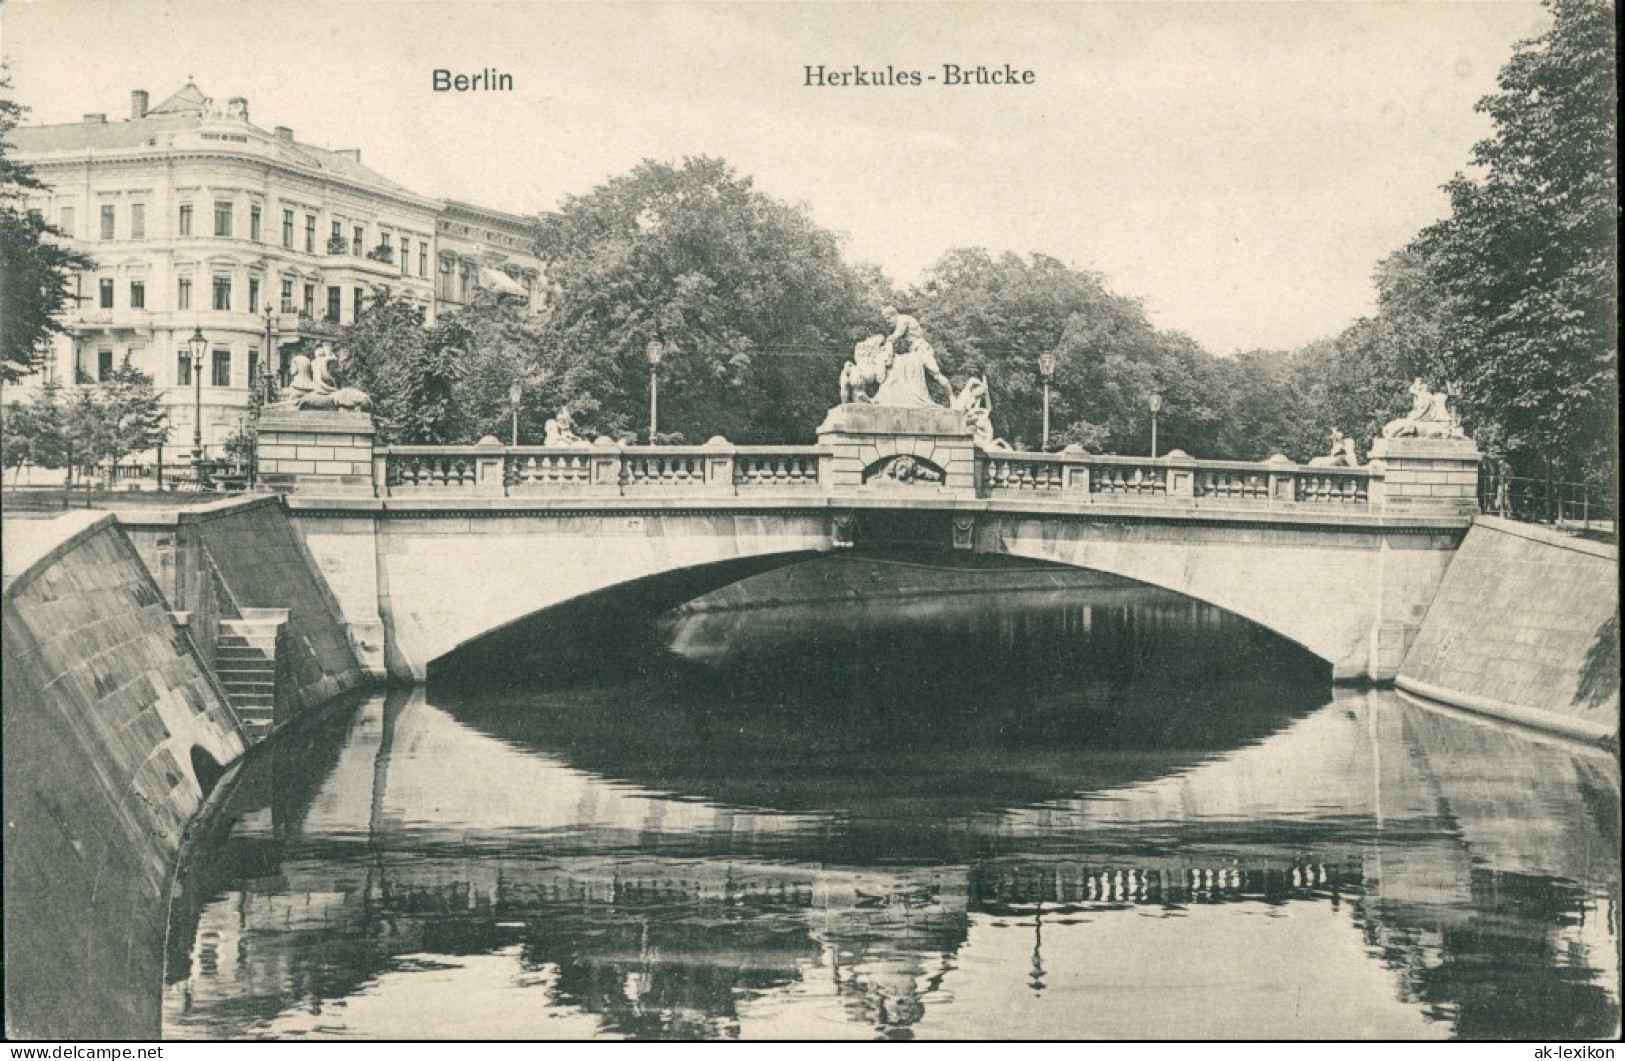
{"points": [[606, 471], [1177, 481], [1174, 481]]}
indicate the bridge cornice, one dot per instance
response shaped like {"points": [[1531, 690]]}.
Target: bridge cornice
{"points": [[1313, 517]]}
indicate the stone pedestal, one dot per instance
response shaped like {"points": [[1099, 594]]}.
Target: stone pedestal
{"points": [[885, 448], [325, 451], [1427, 475]]}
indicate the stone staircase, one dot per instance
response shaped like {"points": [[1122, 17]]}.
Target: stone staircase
{"points": [[245, 661]]}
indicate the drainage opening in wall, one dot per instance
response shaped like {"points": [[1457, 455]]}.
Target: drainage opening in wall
{"points": [[206, 770]]}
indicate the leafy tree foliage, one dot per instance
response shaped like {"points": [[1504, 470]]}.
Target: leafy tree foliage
{"points": [[130, 416], [36, 271], [1008, 311], [751, 300], [96, 423], [411, 371], [1527, 262]]}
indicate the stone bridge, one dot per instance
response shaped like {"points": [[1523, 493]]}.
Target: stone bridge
{"points": [[429, 549]]}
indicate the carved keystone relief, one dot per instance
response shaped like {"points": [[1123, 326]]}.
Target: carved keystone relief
{"points": [[903, 468]]}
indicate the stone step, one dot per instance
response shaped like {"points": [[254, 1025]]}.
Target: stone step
{"points": [[233, 688], [253, 654], [248, 701]]}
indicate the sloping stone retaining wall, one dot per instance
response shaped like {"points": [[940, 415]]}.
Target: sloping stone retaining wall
{"points": [[1525, 626], [115, 730]]}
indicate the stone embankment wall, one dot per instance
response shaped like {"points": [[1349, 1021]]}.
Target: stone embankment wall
{"points": [[114, 731], [1525, 626], [227, 559]]}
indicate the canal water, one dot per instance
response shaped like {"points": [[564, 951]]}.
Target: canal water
{"points": [[1112, 814]]}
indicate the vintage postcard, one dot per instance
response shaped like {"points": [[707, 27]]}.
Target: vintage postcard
{"points": [[816, 521]]}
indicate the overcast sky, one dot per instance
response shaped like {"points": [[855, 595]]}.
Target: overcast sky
{"points": [[1240, 167]]}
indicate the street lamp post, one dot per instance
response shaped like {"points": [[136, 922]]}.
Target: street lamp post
{"points": [[654, 352], [1046, 369], [1155, 402], [515, 392], [197, 345]]}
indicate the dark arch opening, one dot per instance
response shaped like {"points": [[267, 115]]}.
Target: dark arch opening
{"points": [[594, 632], [206, 769]]}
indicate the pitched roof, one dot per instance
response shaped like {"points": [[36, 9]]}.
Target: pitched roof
{"points": [[189, 99], [183, 111]]}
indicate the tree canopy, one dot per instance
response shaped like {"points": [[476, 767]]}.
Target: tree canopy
{"points": [[751, 301], [36, 270]]}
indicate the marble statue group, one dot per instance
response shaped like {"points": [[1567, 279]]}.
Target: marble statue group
{"points": [[315, 384], [902, 365], [1429, 416]]}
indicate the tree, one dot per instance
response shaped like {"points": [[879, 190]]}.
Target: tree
{"points": [[16, 437], [1008, 311], [749, 298], [132, 418], [507, 343], [1526, 263], [412, 372], [36, 272]]}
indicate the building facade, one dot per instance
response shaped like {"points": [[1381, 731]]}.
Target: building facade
{"points": [[199, 220]]}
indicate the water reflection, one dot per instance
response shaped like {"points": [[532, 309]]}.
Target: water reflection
{"points": [[1021, 818]]}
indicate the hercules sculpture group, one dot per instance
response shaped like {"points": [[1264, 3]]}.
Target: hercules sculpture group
{"points": [[901, 365]]}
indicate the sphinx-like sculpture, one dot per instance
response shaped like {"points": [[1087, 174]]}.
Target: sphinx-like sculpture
{"points": [[1430, 416], [1342, 454], [314, 385], [560, 430]]}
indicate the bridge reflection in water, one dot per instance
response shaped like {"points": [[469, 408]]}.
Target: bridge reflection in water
{"points": [[1197, 840]]}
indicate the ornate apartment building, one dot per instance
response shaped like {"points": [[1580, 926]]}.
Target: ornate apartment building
{"points": [[198, 219]]}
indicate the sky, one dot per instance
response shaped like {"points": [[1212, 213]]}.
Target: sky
{"points": [[1240, 167]]}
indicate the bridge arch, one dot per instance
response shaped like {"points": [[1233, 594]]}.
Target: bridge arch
{"points": [[1350, 591]]}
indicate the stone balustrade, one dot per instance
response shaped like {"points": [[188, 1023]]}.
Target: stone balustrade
{"points": [[1176, 480], [1396, 485], [524, 471], [1171, 481]]}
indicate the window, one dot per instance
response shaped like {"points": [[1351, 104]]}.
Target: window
{"points": [[106, 286], [310, 233], [107, 221], [385, 240], [253, 366], [406, 256], [222, 219], [67, 221], [183, 294], [310, 300], [183, 369], [222, 292], [287, 229], [221, 376], [335, 303], [287, 296], [358, 240], [186, 219], [336, 238], [104, 365], [253, 296], [423, 258], [254, 223], [138, 294], [360, 297], [447, 278], [138, 220]]}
